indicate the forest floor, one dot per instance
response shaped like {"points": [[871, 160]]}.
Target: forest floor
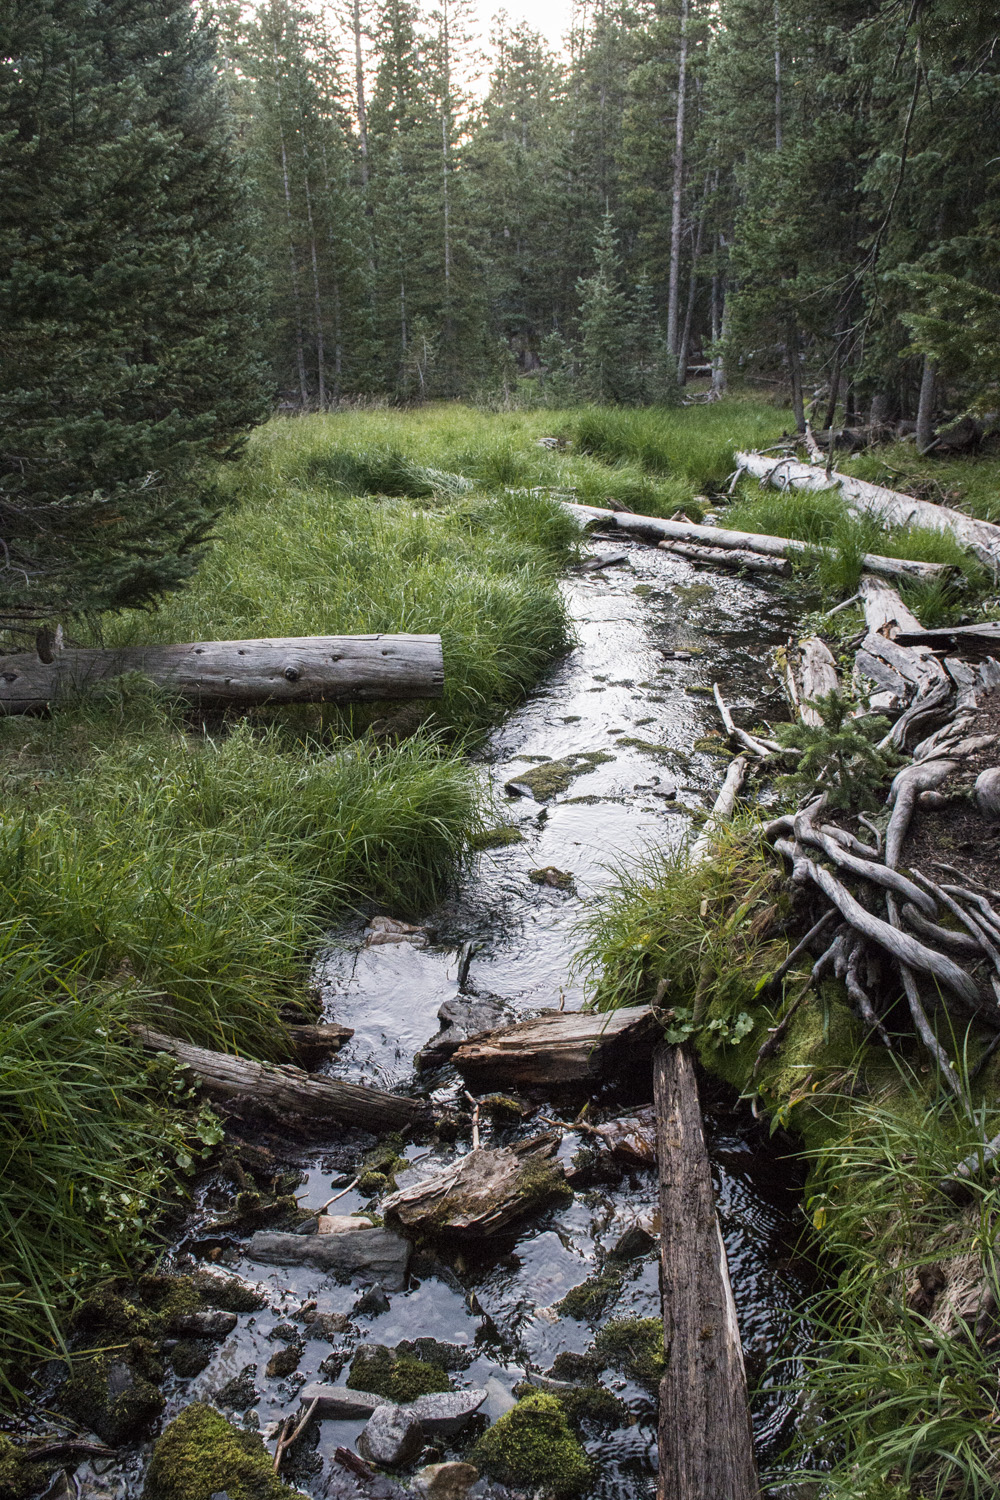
{"points": [[162, 866]]}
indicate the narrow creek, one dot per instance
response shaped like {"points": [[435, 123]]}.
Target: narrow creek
{"points": [[649, 630]]}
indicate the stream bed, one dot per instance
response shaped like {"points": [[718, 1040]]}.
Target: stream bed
{"points": [[623, 710]]}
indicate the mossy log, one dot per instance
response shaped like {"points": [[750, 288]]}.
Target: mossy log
{"points": [[289, 1091], [483, 1192], [705, 1438], [657, 529], [300, 669], [557, 1047], [981, 537]]}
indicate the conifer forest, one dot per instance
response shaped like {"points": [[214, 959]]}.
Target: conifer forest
{"points": [[499, 750]]}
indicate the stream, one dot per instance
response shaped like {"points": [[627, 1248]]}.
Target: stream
{"points": [[650, 630]]}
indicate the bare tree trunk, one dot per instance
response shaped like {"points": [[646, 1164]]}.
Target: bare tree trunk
{"points": [[925, 408], [777, 75], [317, 297], [300, 357], [795, 374], [682, 357], [720, 327], [338, 350], [359, 85], [678, 191]]}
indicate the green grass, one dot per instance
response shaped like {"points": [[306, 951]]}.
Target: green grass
{"points": [[822, 518], [696, 442]]}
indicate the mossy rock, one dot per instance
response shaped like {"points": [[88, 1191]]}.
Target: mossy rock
{"points": [[115, 1393], [376, 1369], [228, 1293], [533, 1447], [591, 1407], [554, 776], [190, 1356], [591, 1297], [635, 1347], [19, 1477], [502, 1109], [201, 1454], [123, 1310], [498, 838]]}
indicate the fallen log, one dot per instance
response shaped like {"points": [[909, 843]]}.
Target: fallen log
{"points": [[818, 673], [722, 811], [704, 1436], [313, 1044], [885, 612], [750, 541], [983, 637], [483, 1192], [376, 1253], [981, 537], [286, 1090], [722, 557], [558, 1047], [303, 669]]}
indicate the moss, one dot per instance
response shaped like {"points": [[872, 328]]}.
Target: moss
{"points": [[19, 1477], [228, 1293], [201, 1454], [559, 880], [554, 776], [591, 1297], [283, 1362], [501, 1108], [376, 1369], [635, 1347], [370, 1184], [570, 1366], [533, 1446], [591, 1406], [122, 1310], [115, 1393], [190, 1356], [498, 838], [538, 1181]]}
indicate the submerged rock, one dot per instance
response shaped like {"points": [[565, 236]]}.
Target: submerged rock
{"points": [[373, 1302], [201, 1455], [210, 1324], [377, 1251], [462, 1017], [554, 776], [116, 1393], [339, 1402], [450, 1481], [391, 1437]]}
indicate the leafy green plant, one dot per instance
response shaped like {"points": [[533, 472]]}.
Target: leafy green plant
{"points": [[841, 756]]}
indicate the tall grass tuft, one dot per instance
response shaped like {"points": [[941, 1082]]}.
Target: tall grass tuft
{"points": [[699, 442]]}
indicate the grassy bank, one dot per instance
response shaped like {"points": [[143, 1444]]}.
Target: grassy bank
{"points": [[898, 1392]]}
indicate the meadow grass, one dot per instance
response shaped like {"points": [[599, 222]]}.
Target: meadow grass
{"points": [[970, 482], [696, 442]]}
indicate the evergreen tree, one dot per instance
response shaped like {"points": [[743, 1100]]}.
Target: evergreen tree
{"points": [[125, 298]]}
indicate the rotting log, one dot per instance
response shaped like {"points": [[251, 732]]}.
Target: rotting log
{"points": [[287, 1090], [885, 612], [984, 637], [300, 669], [313, 1044], [705, 1437], [558, 1047], [723, 557], [818, 673], [657, 528], [722, 810], [981, 537], [483, 1192]]}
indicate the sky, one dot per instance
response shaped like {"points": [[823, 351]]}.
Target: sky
{"points": [[551, 17]]}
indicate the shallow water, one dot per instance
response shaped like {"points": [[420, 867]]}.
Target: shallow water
{"points": [[618, 694]]}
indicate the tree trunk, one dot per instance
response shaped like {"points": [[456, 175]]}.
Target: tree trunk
{"points": [[777, 76], [751, 541], [795, 375], [705, 1438], [682, 357], [925, 408], [359, 84], [678, 190], [289, 1091], [300, 357], [305, 669]]}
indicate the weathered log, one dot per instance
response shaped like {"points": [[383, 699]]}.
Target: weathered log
{"points": [[705, 1438], [818, 672], [483, 1192], [304, 669], [376, 1253], [313, 1044], [288, 1090], [885, 612], [984, 637], [558, 1047], [732, 557], [656, 527], [981, 537], [722, 811]]}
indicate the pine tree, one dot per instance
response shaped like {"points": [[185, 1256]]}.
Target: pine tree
{"points": [[128, 320], [606, 329]]}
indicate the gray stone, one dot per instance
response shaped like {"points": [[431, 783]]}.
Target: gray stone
{"points": [[988, 792], [450, 1481], [203, 1325], [325, 1325], [338, 1402], [442, 1413], [379, 1252], [392, 1437], [462, 1017], [373, 1302]]}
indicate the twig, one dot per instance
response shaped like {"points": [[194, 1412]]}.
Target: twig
{"points": [[763, 748], [349, 1460], [774, 1040], [973, 885], [284, 1443], [475, 1118], [844, 604], [875, 832], [857, 992], [342, 1194]]}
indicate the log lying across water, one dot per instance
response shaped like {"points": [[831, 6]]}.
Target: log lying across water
{"points": [[557, 1047], [981, 537], [289, 1091], [705, 1439], [749, 541], [300, 669]]}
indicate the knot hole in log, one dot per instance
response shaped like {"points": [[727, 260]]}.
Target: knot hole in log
{"points": [[292, 674]]}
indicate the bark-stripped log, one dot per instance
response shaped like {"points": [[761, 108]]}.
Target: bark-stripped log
{"points": [[557, 1047], [818, 678], [705, 1439], [289, 1091], [722, 811], [722, 557], [656, 528], [984, 637], [981, 537], [885, 612], [303, 669]]}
